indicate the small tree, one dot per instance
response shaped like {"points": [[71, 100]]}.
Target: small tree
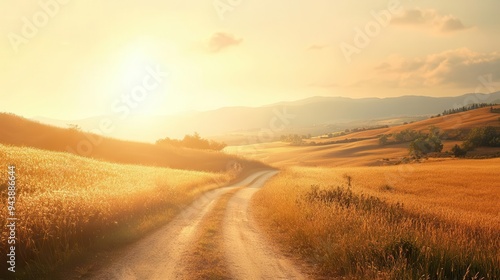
{"points": [[193, 142], [423, 146], [434, 131], [417, 147], [383, 140], [217, 146], [458, 151], [74, 127]]}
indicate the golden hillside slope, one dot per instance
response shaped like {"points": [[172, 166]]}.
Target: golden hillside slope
{"points": [[18, 131], [66, 204], [365, 150]]}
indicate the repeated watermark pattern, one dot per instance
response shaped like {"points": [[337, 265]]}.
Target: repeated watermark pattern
{"points": [[222, 7], [121, 108], [363, 36], [31, 26], [278, 123]]}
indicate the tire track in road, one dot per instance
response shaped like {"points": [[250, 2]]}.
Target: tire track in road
{"points": [[161, 254], [248, 253]]}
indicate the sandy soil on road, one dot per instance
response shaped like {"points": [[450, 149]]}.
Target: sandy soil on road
{"points": [[162, 255], [248, 253]]}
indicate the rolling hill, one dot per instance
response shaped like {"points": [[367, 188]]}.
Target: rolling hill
{"points": [[363, 148], [18, 131]]}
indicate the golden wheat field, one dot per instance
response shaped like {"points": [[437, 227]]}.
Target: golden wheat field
{"points": [[66, 204], [438, 220]]}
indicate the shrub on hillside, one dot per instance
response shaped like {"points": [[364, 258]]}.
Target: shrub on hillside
{"points": [[383, 139], [427, 144], [482, 136], [193, 142], [458, 151], [423, 146]]}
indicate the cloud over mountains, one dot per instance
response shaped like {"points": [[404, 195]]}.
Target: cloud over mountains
{"points": [[458, 67]]}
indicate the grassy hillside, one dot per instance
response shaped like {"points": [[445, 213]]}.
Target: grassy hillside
{"points": [[370, 219], [415, 221], [366, 150], [80, 192], [18, 131], [464, 120], [68, 206]]}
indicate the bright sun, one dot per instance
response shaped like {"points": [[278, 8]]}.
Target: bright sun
{"points": [[141, 78]]}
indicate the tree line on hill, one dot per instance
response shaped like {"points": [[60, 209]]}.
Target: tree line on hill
{"points": [[193, 142], [294, 139], [420, 143], [403, 136], [468, 108], [298, 140], [425, 143]]}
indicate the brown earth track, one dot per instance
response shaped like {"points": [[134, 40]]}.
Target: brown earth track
{"points": [[165, 254]]}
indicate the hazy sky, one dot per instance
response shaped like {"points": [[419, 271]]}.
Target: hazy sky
{"points": [[73, 58]]}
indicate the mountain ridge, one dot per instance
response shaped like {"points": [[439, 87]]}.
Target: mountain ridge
{"points": [[322, 112]]}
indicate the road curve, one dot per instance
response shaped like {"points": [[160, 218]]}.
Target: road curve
{"points": [[162, 255]]}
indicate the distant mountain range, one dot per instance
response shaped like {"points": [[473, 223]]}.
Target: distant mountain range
{"points": [[314, 115]]}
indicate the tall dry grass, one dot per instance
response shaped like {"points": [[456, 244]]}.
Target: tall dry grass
{"points": [[437, 221], [67, 205]]}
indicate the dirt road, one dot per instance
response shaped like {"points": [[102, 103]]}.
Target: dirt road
{"points": [[163, 255], [250, 256]]}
